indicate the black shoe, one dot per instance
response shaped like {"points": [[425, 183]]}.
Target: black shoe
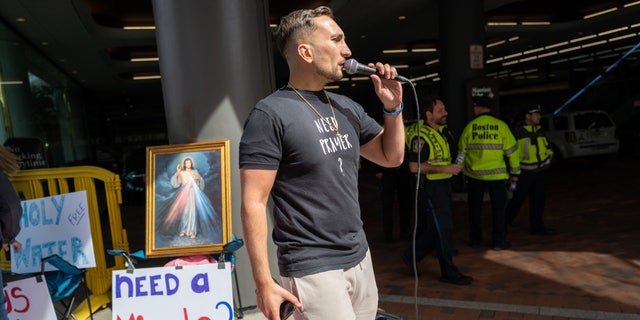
{"points": [[501, 246], [460, 280], [411, 267], [544, 232]]}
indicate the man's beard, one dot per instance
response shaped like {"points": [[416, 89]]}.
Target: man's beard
{"points": [[331, 75]]}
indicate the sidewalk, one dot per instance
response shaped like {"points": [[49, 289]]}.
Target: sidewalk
{"points": [[589, 270]]}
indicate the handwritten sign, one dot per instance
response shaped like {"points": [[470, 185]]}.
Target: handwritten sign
{"points": [[54, 225], [191, 292], [29, 299]]}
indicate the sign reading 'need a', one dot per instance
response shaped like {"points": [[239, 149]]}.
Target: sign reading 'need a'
{"points": [[191, 292]]}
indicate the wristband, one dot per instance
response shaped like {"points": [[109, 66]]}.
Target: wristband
{"points": [[395, 112]]}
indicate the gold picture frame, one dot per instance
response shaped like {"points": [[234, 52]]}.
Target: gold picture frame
{"points": [[188, 199]]}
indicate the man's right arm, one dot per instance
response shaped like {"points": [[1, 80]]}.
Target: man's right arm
{"points": [[256, 186]]}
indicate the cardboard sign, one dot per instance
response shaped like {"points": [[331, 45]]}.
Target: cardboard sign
{"points": [[29, 299], [54, 225], [191, 292]]}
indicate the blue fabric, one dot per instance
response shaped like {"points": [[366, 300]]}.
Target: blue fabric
{"points": [[61, 285], [63, 282], [62, 265], [228, 251]]}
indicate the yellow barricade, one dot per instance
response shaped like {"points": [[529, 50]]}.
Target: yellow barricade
{"points": [[104, 198]]}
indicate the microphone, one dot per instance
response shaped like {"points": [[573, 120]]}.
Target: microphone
{"points": [[351, 66]]}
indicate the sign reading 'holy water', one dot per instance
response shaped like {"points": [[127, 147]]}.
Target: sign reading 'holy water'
{"points": [[54, 225], [190, 292]]}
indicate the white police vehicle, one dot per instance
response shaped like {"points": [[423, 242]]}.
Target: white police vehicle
{"points": [[578, 134]]}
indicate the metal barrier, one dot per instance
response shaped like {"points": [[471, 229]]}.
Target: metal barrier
{"points": [[104, 198]]}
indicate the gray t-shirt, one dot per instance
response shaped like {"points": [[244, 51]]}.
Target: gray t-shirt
{"points": [[317, 213]]}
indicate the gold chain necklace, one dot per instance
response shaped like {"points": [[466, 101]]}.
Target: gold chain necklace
{"points": [[323, 119]]}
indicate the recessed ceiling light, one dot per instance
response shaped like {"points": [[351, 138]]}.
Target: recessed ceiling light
{"points": [[631, 4], [599, 13], [144, 59], [146, 77], [424, 50], [535, 23], [612, 31], [139, 27], [395, 51], [502, 23]]}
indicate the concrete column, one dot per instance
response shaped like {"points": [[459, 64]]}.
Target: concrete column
{"points": [[461, 26], [216, 63]]}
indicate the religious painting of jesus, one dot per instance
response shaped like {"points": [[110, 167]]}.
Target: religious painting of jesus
{"points": [[188, 199]]}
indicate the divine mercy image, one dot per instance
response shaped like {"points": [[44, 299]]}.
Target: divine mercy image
{"points": [[188, 199]]}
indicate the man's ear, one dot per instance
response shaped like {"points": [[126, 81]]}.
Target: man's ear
{"points": [[428, 114], [305, 52]]}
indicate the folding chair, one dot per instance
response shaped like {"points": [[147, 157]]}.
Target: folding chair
{"points": [[130, 258], [64, 282], [228, 254]]}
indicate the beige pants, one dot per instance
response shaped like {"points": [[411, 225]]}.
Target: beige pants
{"points": [[345, 294]]}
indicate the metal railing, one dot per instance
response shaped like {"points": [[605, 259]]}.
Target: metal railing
{"points": [[104, 197]]}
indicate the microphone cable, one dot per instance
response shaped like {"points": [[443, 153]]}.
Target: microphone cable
{"points": [[418, 129]]}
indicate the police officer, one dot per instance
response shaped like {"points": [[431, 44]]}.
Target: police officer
{"points": [[431, 145], [535, 158], [395, 187], [488, 141]]}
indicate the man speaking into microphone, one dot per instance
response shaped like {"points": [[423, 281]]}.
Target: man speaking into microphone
{"points": [[301, 146], [351, 66]]}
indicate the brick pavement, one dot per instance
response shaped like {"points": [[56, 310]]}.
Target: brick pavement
{"points": [[589, 270]]}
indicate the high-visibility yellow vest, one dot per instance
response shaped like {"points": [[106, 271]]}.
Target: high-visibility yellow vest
{"points": [[535, 152], [488, 141], [439, 151]]}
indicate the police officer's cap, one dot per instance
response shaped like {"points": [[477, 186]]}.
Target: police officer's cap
{"points": [[534, 109], [482, 101]]}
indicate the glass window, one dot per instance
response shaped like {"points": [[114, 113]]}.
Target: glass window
{"points": [[40, 103], [592, 120]]}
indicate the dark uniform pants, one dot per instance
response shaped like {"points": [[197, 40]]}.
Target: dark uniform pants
{"points": [[475, 198], [435, 203], [396, 186], [530, 184]]}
